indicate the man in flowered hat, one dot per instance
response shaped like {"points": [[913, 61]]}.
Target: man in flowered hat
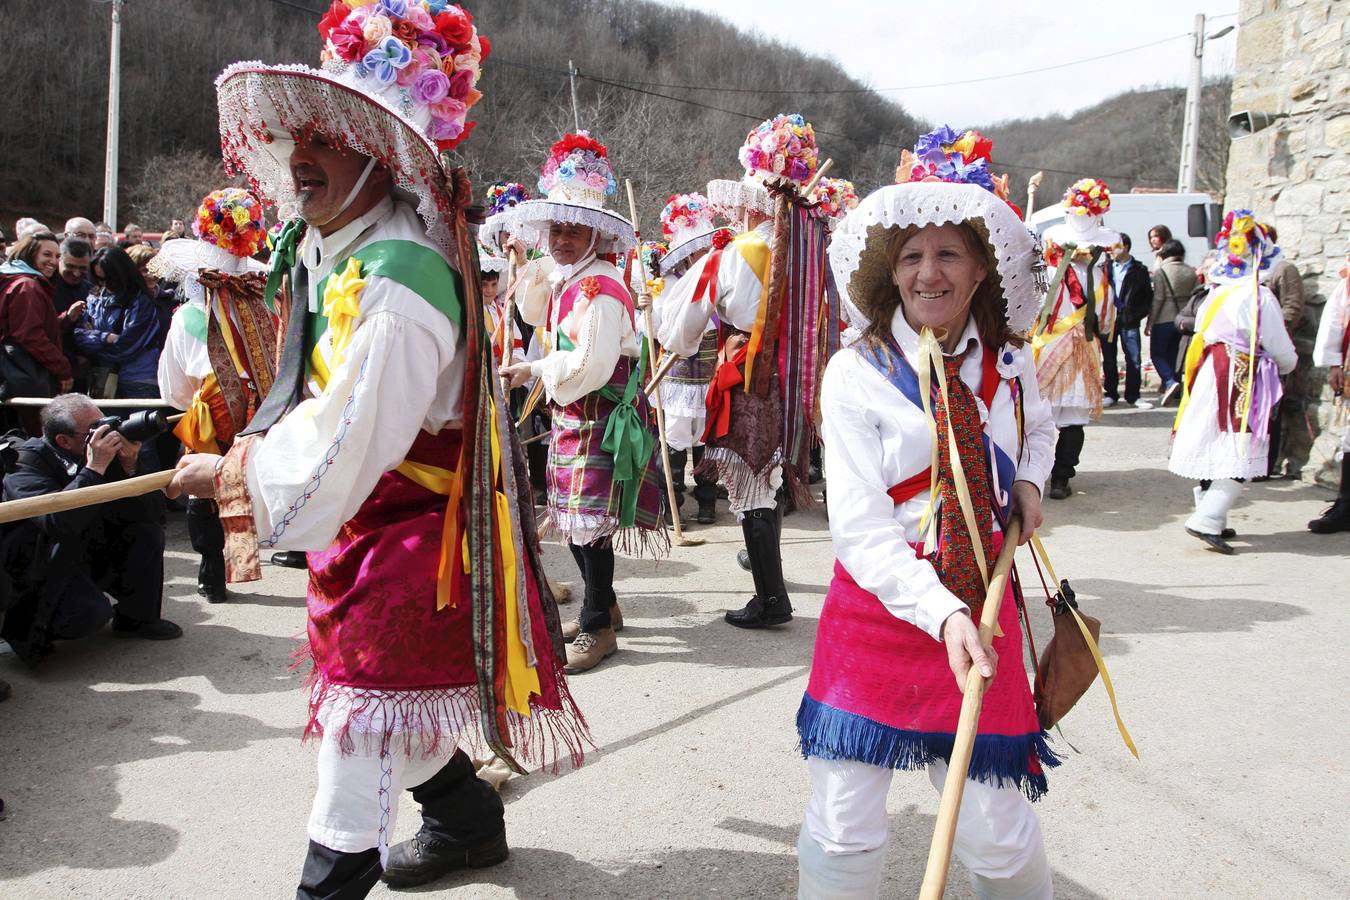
{"points": [[744, 433], [219, 358], [687, 221], [1065, 339], [1231, 384], [382, 449], [602, 483]]}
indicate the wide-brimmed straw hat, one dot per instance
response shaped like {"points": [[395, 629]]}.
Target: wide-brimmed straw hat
{"points": [[576, 180], [229, 230], [947, 181], [1085, 205], [396, 84], [782, 148]]}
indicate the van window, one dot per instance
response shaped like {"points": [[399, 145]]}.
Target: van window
{"points": [[1197, 221]]}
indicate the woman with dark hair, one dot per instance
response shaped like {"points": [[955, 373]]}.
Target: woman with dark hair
{"points": [[1157, 236], [1173, 282], [934, 433], [120, 328], [28, 320]]}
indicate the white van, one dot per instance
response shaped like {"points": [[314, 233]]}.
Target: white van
{"points": [[1193, 218]]}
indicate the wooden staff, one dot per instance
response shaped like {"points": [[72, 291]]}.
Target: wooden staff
{"points": [[148, 403], [509, 312], [1033, 185], [815, 179], [680, 539], [666, 365], [958, 766], [13, 510]]}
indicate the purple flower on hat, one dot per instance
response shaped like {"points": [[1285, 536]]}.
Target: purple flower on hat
{"points": [[384, 62], [431, 86], [395, 7], [446, 129]]}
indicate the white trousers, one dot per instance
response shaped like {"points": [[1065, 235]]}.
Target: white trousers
{"points": [[684, 432], [1212, 506], [356, 799], [843, 839]]}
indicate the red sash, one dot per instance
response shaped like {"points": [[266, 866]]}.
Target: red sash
{"points": [[727, 378]]}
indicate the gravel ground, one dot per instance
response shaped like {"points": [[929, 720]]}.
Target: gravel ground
{"points": [[175, 769]]}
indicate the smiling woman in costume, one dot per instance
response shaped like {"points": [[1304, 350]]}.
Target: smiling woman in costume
{"points": [[941, 279]]}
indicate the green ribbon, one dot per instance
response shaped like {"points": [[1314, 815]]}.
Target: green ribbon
{"points": [[194, 320], [283, 258], [627, 439]]}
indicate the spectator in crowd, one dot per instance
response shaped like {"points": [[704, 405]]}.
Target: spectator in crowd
{"points": [[28, 320], [26, 226], [121, 325], [175, 230], [74, 285], [132, 234], [1157, 236], [162, 294], [104, 236], [1133, 298], [81, 228], [61, 575], [1173, 283]]}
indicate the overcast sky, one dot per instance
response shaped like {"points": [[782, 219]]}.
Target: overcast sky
{"points": [[893, 43]]}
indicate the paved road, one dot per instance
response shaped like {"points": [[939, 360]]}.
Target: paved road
{"points": [[175, 770]]}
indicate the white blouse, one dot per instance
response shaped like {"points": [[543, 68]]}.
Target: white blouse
{"points": [[400, 374], [603, 330], [875, 438], [1331, 330], [738, 288]]}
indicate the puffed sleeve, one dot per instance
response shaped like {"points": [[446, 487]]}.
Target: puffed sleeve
{"points": [[868, 541], [534, 290], [683, 320], [1331, 330], [1274, 337], [176, 386], [312, 470], [572, 374]]}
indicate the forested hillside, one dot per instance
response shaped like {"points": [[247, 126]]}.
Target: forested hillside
{"points": [[634, 57]]}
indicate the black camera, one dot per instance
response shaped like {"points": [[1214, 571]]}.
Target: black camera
{"points": [[138, 427]]}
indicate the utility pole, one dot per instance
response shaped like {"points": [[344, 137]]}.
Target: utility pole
{"points": [[1190, 128], [114, 117], [576, 112]]}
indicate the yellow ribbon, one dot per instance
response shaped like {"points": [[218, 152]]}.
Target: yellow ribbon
{"points": [[1196, 350], [197, 430], [1092, 646], [1062, 326], [756, 254], [341, 306]]}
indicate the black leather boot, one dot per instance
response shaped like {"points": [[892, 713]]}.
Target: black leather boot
{"points": [[677, 460], [770, 605], [1337, 516], [462, 827], [208, 538], [705, 492]]}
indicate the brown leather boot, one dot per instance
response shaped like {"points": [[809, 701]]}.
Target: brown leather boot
{"points": [[571, 629], [590, 649]]}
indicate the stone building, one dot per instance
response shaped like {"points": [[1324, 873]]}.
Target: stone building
{"points": [[1293, 61]]}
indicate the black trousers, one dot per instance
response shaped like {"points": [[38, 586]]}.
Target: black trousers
{"points": [[596, 562], [207, 537], [457, 807], [1068, 449]]}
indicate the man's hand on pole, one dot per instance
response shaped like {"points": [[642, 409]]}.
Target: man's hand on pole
{"points": [[195, 474], [962, 639]]}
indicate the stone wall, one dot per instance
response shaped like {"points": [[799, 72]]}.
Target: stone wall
{"points": [[1293, 57]]}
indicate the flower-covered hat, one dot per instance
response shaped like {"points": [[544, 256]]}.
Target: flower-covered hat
{"points": [[834, 197], [396, 84], [576, 180], [489, 260], [953, 188], [1085, 204], [688, 222], [501, 197], [230, 230], [782, 147], [1241, 244]]}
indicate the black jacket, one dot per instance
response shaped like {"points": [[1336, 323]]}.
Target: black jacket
{"points": [[1134, 295], [41, 470]]}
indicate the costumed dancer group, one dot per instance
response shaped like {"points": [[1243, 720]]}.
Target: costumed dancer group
{"points": [[378, 441]]}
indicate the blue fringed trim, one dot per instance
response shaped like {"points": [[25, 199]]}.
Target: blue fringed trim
{"points": [[828, 733]]}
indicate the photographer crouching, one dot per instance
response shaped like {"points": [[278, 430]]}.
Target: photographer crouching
{"points": [[63, 566]]}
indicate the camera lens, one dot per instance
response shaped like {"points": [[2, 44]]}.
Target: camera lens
{"points": [[142, 426]]}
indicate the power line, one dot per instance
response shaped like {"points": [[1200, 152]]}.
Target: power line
{"points": [[911, 87]]}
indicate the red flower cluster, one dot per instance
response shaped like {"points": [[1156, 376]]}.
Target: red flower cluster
{"points": [[336, 15], [456, 26], [590, 286], [571, 142], [721, 237]]}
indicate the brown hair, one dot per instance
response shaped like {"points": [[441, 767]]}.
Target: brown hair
{"points": [[988, 307], [141, 253], [25, 250]]}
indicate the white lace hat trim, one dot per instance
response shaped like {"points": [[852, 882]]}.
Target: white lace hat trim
{"points": [[858, 246], [187, 256], [685, 249], [530, 221], [732, 196]]}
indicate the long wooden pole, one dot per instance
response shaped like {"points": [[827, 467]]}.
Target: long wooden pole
{"points": [[509, 310], [815, 179], [680, 539], [944, 831], [1033, 185], [666, 365], [14, 510]]}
